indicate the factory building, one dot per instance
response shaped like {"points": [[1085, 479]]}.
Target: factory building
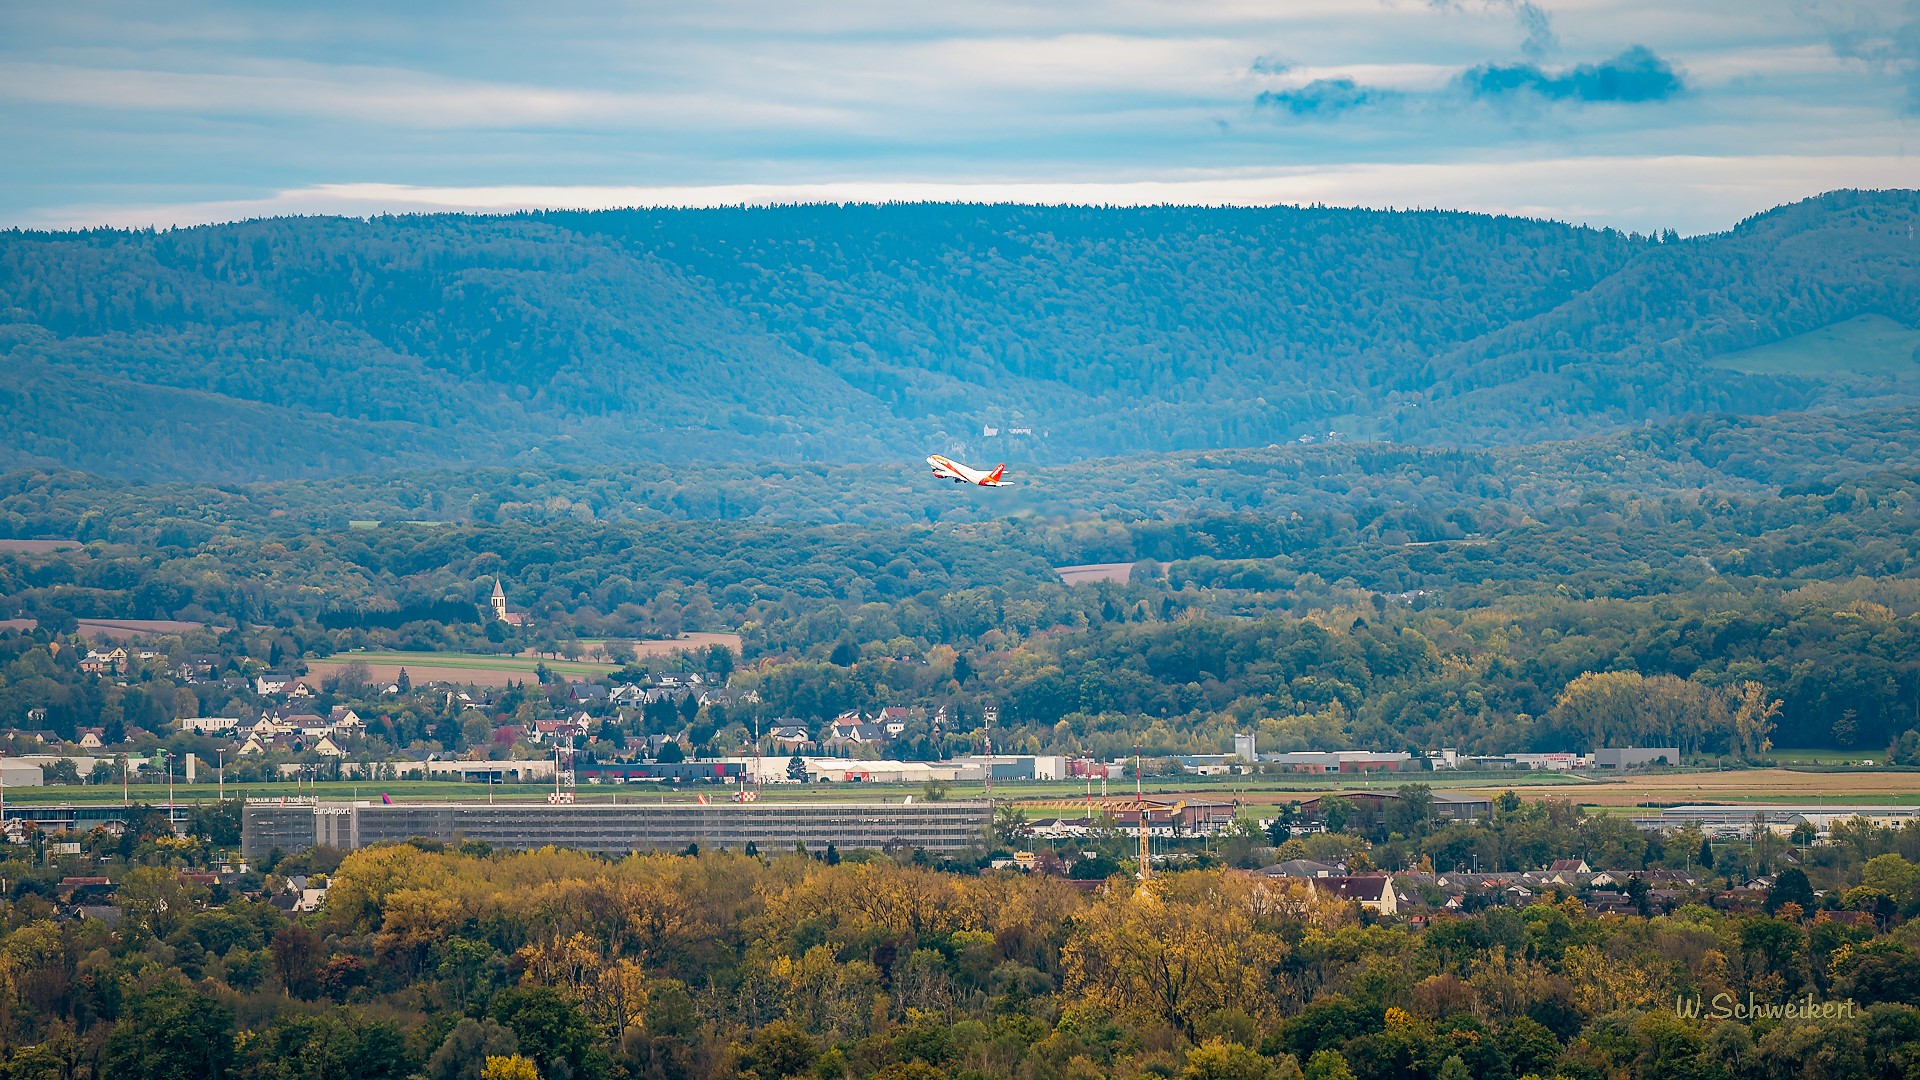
{"points": [[616, 828]]}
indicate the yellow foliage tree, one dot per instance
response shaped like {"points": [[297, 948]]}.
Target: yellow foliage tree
{"points": [[509, 1068], [1193, 950]]}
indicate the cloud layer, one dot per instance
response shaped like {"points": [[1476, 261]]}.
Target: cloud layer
{"points": [[112, 111]]}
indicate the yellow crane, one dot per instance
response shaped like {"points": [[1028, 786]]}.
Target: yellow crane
{"points": [[1146, 808]]}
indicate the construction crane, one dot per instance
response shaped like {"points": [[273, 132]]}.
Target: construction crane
{"points": [[1146, 808]]}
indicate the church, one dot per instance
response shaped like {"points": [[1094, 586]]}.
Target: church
{"points": [[500, 612]]}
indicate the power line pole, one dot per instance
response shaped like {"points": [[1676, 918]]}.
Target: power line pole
{"points": [[989, 715]]}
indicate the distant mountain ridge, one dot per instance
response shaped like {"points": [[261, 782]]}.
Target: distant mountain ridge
{"points": [[325, 346]]}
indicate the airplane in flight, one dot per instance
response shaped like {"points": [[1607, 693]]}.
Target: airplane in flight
{"points": [[949, 469]]}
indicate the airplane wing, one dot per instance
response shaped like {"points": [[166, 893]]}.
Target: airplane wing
{"points": [[949, 469]]}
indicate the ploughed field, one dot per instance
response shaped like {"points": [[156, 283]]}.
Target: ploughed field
{"points": [[484, 669]]}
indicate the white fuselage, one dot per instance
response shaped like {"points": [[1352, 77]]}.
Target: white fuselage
{"points": [[948, 469]]}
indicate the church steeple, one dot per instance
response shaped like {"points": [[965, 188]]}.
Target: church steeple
{"points": [[499, 601]]}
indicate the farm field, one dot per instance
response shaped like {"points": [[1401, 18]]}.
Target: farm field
{"points": [[39, 547], [659, 647], [116, 629], [1739, 786], [1081, 575]]}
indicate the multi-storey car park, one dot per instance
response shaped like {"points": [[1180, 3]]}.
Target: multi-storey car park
{"points": [[616, 828]]}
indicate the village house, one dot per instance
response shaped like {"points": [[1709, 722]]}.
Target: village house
{"points": [[197, 668], [893, 720], [848, 727], [278, 742], [789, 736], [586, 693], [1372, 892], [110, 662]]}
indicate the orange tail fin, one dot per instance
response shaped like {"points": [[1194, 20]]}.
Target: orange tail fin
{"points": [[994, 476]]}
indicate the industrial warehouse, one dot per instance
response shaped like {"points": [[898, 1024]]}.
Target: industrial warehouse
{"points": [[616, 828]]}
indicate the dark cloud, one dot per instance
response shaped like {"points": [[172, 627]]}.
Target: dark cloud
{"points": [[1535, 21], [1887, 38], [1539, 27], [1636, 75], [1323, 97]]}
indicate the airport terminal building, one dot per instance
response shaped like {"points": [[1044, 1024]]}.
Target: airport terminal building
{"points": [[615, 828]]}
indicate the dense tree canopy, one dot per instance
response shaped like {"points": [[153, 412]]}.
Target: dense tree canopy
{"points": [[325, 346]]}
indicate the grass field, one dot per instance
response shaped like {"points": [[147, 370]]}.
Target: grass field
{"points": [[1862, 345], [1256, 794], [492, 669], [1250, 791], [478, 668], [434, 790], [1823, 757]]}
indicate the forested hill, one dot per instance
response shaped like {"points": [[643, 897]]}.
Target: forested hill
{"points": [[324, 346]]}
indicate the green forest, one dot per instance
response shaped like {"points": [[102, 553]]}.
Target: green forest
{"points": [[1363, 596], [323, 347]]}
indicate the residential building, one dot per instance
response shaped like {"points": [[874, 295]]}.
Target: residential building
{"points": [[789, 736], [1373, 892]]}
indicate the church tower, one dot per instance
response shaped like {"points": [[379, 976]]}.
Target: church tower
{"points": [[499, 602]]}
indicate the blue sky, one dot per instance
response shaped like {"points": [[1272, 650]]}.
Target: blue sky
{"points": [[1641, 115]]}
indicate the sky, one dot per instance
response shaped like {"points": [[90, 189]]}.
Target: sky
{"points": [[1635, 114]]}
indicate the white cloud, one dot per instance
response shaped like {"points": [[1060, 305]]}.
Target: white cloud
{"points": [[381, 96]]}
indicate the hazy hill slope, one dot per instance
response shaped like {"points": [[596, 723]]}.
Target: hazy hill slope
{"points": [[1640, 342], [1718, 456], [322, 346]]}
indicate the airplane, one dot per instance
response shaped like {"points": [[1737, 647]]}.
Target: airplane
{"points": [[949, 469]]}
